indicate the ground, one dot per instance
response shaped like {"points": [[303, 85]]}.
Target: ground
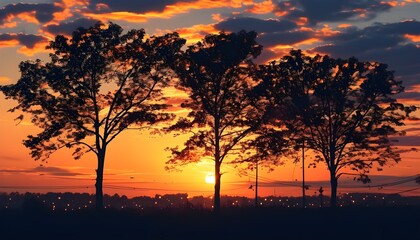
{"points": [[234, 223]]}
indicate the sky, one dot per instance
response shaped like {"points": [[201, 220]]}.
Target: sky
{"points": [[371, 30]]}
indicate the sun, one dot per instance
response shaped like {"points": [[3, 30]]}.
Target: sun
{"points": [[209, 178]]}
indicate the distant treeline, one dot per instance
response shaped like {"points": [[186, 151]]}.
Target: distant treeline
{"points": [[82, 201]]}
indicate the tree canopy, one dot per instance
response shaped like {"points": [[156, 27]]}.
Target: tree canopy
{"points": [[344, 109], [96, 84], [224, 109]]}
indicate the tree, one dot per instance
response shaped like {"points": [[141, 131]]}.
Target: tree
{"points": [[95, 85], [224, 109], [344, 110]]}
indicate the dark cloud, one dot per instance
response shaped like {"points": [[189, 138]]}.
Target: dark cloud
{"points": [[332, 10], [54, 171], [283, 38], [266, 55], [411, 80], [380, 42], [407, 141], [413, 129], [410, 96], [67, 28], [28, 40], [390, 31], [255, 24], [8, 157], [105, 6], [43, 11]]}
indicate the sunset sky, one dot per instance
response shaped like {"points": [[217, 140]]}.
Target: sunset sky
{"points": [[371, 30]]}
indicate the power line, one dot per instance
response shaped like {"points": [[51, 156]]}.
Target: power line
{"points": [[380, 186], [409, 190], [264, 180], [111, 187]]}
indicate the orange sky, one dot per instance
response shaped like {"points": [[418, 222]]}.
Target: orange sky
{"points": [[136, 159]]}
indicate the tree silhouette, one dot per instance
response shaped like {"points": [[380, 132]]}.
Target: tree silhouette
{"points": [[95, 85], [216, 73], [344, 110]]}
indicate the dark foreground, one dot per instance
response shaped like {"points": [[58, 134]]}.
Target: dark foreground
{"points": [[265, 223]]}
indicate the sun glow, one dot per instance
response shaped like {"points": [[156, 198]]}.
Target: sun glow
{"points": [[209, 178]]}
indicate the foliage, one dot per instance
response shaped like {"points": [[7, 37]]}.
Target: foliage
{"points": [[96, 84], [224, 108], [344, 110]]}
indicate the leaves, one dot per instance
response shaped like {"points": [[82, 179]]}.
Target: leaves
{"points": [[95, 85], [344, 109], [217, 74]]}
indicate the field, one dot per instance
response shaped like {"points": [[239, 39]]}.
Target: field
{"points": [[233, 223]]}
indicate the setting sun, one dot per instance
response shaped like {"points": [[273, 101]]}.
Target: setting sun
{"points": [[209, 178]]}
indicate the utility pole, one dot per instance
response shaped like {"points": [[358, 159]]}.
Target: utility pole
{"points": [[256, 183], [303, 174]]}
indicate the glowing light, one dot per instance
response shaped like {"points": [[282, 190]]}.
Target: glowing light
{"points": [[210, 178]]}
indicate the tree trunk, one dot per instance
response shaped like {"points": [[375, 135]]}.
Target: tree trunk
{"points": [[217, 179], [99, 196], [333, 181], [333, 175]]}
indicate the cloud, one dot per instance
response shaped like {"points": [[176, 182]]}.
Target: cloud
{"points": [[27, 40], [331, 10], [283, 38], [412, 129], [196, 32], [255, 24], [9, 157], [67, 28], [53, 171], [261, 7], [69, 8], [141, 11], [268, 55], [410, 95], [385, 43], [38, 13], [104, 6], [30, 43], [407, 141]]}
